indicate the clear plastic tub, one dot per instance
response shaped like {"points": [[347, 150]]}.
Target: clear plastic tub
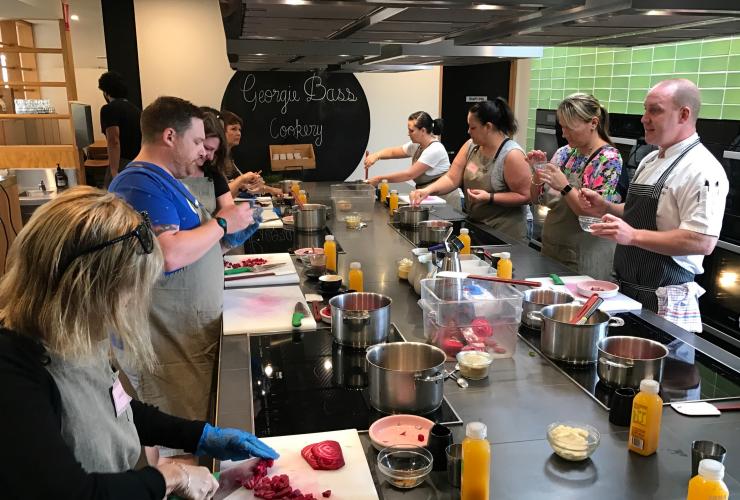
{"points": [[466, 314], [352, 201]]}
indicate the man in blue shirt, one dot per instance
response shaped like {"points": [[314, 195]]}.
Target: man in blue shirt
{"points": [[187, 302]]}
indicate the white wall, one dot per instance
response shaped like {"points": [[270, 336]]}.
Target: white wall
{"points": [[182, 50], [521, 104]]}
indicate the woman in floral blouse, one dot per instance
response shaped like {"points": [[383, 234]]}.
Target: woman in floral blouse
{"points": [[588, 160]]}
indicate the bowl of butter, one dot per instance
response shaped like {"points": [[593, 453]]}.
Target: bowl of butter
{"points": [[573, 441]]}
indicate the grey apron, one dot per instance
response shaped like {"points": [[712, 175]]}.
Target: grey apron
{"points": [[564, 241], [100, 440], [185, 318], [641, 272], [478, 174]]}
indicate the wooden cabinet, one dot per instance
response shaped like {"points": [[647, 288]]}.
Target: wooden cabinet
{"points": [[10, 217]]}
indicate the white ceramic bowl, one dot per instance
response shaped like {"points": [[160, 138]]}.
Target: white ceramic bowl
{"points": [[560, 436], [604, 289]]}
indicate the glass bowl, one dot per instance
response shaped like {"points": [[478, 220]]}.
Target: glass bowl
{"points": [[474, 365], [572, 440], [405, 466], [586, 221]]}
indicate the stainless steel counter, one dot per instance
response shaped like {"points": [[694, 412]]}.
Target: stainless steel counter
{"points": [[519, 399]]}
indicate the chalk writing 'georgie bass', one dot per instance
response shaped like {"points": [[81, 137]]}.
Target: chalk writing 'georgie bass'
{"points": [[267, 96], [297, 130]]}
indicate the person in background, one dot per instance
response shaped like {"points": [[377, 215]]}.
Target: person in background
{"points": [[84, 265], [119, 120], [589, 160], [187, 302], [492, 169], [429, 159], [673, 213]]}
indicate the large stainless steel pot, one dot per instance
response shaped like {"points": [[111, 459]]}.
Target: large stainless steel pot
{"points": [[349, 367], [535, 300], [286, 185], [563, 341], [433, 231], [625, 361], [406, 377], [309, 217], [412, 216], [360, 319]]}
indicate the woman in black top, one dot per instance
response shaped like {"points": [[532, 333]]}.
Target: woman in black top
{"points": [[84, 265]]}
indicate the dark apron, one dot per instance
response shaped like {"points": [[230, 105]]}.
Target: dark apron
{"points": [[185, 319], [641, 272], [564, 241]]}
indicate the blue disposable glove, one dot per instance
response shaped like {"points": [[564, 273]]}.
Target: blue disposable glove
{"points": [[239, 237], [232, 444]]}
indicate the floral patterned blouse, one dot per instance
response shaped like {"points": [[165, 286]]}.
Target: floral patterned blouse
{"points": [[601, 175]]}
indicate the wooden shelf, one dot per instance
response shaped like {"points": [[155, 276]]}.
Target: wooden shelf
{"points": [[32, 116], [30, 50], [34, 84]]}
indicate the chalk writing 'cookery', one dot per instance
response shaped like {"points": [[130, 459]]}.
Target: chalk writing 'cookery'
{"points": [[298, 130], [314, 90]]}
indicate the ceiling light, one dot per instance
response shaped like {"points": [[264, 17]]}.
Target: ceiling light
{"points": [[486, 6], [74, 17], [343, 55], [658, 12], [259, 54], [296, 2], [432, 62]]}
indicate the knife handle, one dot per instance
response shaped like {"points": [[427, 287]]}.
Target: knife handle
{"points": [[556, 279], [237, 270], [296, 319]]}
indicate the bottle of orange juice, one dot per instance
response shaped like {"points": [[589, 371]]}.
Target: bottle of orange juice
{"points": [[505, 268], [330, 250], [647, 411], [393, 202], [476, 457], [302, 196], [295, 189], [465, 238], [708, 484], [355, 277], [383, 190]]}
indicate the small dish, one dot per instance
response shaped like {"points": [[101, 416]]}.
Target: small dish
{"points": [[604, 289], [586, 222], [401, 429], [288, 220], [573, 441], [330, 282], [314, 272], [304, 254], [405, 466], [326, 314], [474, 365]]}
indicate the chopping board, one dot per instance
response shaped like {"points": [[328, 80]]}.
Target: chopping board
{"points": [[270, 219], [263, 310], [353, 481], [284, 275], [620, 302], [429, 200]]}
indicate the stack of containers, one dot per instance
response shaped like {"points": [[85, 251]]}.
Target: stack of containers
{"points": [[348, 199], [467, 314]]}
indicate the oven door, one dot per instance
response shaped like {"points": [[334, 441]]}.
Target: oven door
{"points": [[545, 139], [731, 222], [720, 305]]}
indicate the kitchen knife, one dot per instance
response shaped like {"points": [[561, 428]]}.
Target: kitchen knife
{"points": [[253, 269], [230, 480], [299, 313], [240, 277]]}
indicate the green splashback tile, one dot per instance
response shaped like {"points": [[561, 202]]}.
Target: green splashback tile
{"points": [[623, 55], [715, 48], [546, 62], [571, 83], [733, 79], [572, 72], [663, 67], [586, 84], [588, 70], [605, 57], [588, 59], [734, 63], [710, 111], [588, 50], [602, 95], [546, 74], [618, 95], [712, 80], [621, 69], [641, 68], [573, 61], [620, 82], [684, 50], [687, 65], [603, 70], [548, 51], [558, 72], [635, 108], [664, 52], [735, 46], [731, 112], [603, 82], [642, 54], [639, 82], [713, 64], [732, 96], [558, 83], [713, 96], [617, 107], [636, 95]]}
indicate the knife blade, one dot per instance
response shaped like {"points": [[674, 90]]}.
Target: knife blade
{"points": [[248, 276], [253, 269], [299, 312]]}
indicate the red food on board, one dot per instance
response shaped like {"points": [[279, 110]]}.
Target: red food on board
{"points": [[451, 345], [326, 494], [420, 437], [325, 455], [482, 327]]}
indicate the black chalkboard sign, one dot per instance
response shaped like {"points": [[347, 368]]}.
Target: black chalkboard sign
{"points": [[328, 110]]}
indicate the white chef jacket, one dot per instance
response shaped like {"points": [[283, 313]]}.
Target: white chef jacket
{"points": [[693, 197]]}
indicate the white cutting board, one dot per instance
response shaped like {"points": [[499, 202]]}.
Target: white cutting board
{"points": [[429, 200], [284, 275], [270, 219], [263, 310], [353, 481], [620, 302]]}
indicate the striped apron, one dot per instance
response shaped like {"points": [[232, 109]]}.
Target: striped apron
{"points": [[641, 272]]}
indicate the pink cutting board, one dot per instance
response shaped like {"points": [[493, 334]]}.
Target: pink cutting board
{"points": [[620, 302], [353, 481]]}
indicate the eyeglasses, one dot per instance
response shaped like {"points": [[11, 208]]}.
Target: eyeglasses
{"points": [[142, 232]]}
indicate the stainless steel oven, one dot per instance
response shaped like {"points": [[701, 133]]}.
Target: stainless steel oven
{"points": [[720, 305], [731, 222]]}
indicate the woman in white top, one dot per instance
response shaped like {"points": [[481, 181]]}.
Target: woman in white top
{"points": [[429, 159]]}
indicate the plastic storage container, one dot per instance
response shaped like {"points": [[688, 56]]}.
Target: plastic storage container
{"points": [[466, 314], [359, 199]]}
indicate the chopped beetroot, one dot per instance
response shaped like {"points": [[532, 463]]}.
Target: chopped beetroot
{"points": [[403, 433], [482, 327], [420, 437], [326, 455], [326, 494]]}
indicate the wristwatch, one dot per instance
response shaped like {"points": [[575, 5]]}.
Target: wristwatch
{"points": [[566, 189], [222, 222]]}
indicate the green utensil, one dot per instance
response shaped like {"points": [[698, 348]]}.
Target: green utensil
{"points": [[238, 270], [556, 279]]}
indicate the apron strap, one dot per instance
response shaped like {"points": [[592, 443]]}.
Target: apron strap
{"points": [[658, 188]]}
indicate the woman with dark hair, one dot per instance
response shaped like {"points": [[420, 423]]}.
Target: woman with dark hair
{"points": [[429, 160], [492, 169], [588, 160]]}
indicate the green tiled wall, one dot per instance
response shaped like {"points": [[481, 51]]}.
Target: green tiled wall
{"points": [[620, 78]]}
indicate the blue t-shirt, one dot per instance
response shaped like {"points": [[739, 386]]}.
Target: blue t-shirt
{"points": [[148, 187]]}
